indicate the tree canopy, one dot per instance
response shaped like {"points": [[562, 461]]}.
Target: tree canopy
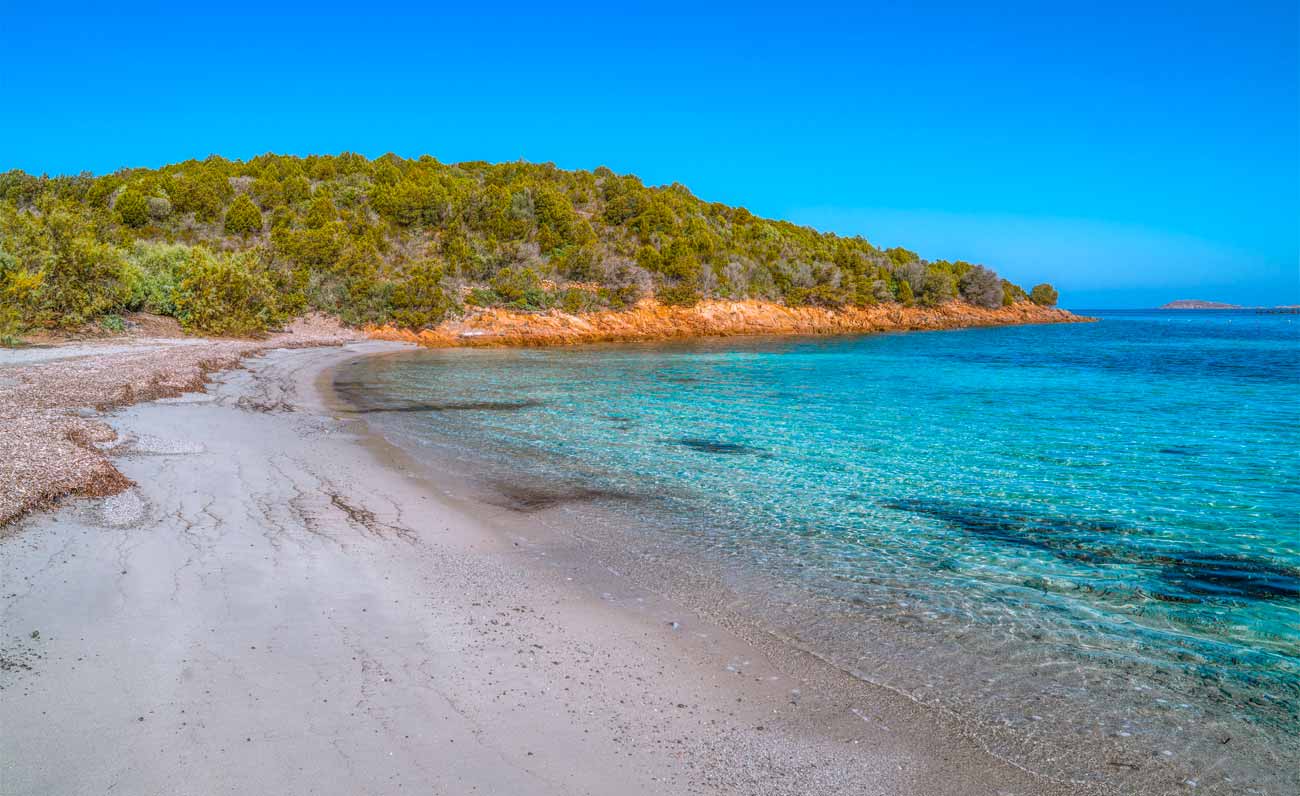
{"points": [[413, 240], [1043, 295]]}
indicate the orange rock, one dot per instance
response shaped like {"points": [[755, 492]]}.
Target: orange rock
{"points": [[650, 320]]}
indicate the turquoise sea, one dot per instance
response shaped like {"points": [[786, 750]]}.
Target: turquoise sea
{"points": [[1084, 537]]}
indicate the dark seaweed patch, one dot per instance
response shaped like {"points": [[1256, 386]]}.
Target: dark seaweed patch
{"points": [[450, 406], [1065, 535], [715, 446], [1228, 576], [621, 422], [1102, 543], [527, 499], [1178, 451]]}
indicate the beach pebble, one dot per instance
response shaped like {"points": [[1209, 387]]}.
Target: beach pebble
{"points": [[122, 510]]}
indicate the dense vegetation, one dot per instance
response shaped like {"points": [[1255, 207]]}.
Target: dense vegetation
{"points": [[231, 247]]}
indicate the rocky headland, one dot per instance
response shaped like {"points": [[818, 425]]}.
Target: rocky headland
{"points": [[651, 320]]}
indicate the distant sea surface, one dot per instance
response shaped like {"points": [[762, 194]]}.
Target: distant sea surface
{"points": [[1085, 537]]}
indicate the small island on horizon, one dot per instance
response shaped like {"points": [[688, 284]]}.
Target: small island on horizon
{"points": [[1197, 304]]}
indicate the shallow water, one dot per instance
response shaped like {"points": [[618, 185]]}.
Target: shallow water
{"points": [[1087, 537]]}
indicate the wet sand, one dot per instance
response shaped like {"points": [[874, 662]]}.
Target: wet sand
{"points": [[283, 603]]}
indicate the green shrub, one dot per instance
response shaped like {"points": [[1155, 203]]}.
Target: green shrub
{"points": [[318, 248], [575, 300], [226, 294], [1011, 293], [296, 189], [817, 296], [17, 288], [113, 323], [133, 208], [1044, 295], [420, 300], [521, 288], [904, 293], [269, 192], [365, 296], [201, 190], [159, 207], [321, 212], [939, 287], [154, 274], [81, 277], [681, 295], [619, 297], [480, 297], [243, 217], [579, 263]]}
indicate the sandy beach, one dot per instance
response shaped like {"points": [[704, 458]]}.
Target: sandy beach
{"points": [[281, 602]]}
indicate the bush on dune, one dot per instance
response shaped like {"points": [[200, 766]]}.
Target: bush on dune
{"points": [[154, 273], [226, 294], [17, 286], [66, 274]]}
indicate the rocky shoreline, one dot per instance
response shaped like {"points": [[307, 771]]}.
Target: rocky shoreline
{"points": [[650, 320]]}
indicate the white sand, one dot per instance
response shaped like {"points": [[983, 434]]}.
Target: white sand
{"points": [[281, 606]]}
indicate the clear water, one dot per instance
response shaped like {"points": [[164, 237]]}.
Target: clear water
{"points": [[1085, 537]]}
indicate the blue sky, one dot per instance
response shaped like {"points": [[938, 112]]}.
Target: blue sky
{"points": [[1130, 155]]}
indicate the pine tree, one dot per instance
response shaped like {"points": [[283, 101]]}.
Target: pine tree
{"points": [[243, 216]]}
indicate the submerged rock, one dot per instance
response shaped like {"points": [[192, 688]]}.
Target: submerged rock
{"points": [[714, 446]]}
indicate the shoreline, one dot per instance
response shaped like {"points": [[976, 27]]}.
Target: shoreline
{"points": [[854, 695], [1099, 756], [49, 395], [713, 318], [291, 548]]}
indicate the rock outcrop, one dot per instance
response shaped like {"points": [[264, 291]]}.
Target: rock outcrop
{"points": [[650, 320]]}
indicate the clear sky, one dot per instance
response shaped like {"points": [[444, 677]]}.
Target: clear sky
{"points": [[1130, 153]]}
